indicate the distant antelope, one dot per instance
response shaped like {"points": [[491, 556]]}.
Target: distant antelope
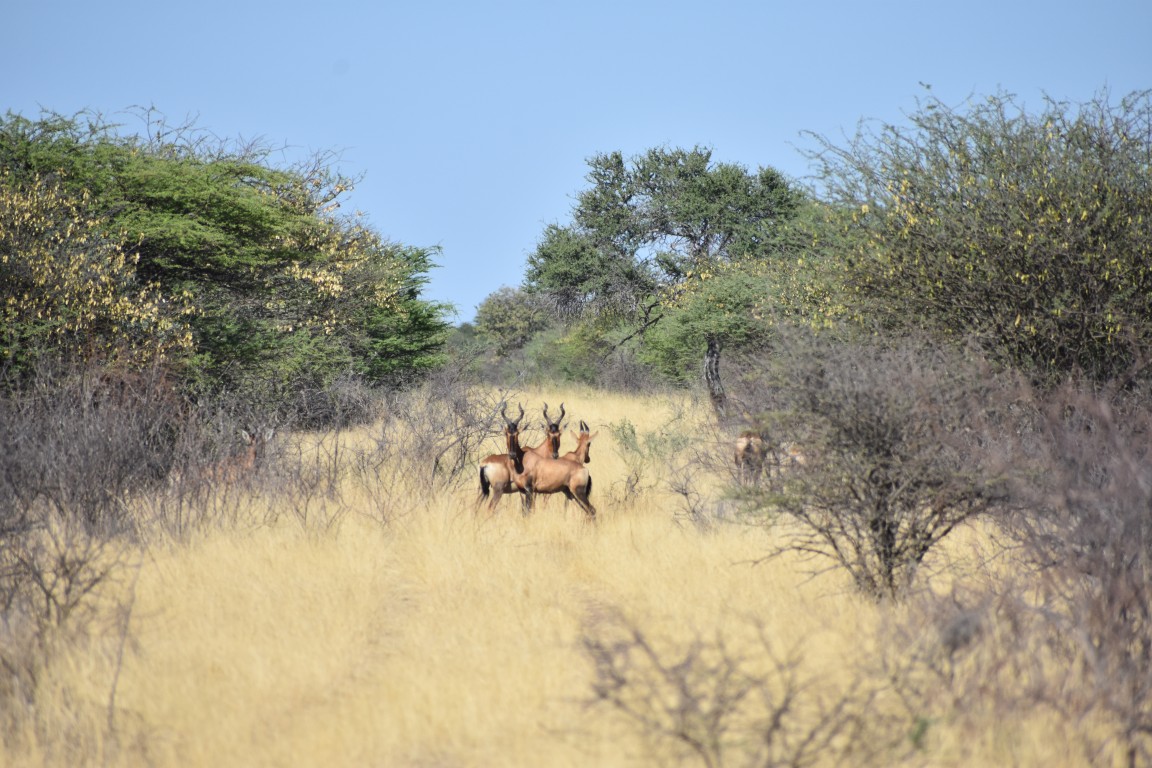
{"points": [[580, 454], [243, 464], [583, 444], [230, 470], [497, 472], [751, 455]]}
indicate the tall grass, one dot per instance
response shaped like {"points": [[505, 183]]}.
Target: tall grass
{"points": [[447, 637]]}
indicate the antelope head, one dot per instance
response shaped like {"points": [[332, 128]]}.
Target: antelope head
{"points": [[512, 434], [583, 444], [553, 429]]}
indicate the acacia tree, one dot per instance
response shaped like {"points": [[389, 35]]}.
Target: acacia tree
{"points": [[285, 291], [508, 318], [1031, 232], [651, 227]]}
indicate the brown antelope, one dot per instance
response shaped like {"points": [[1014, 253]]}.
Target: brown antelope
{"points": [[497, 472], [550, 448], [751, 454], [583, 444], [228, 471], [235, 468], [581, 453], [565, 476]]}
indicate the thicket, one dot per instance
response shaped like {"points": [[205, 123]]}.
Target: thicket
{"points": [[878, 450], [1029, 231], [204, 256]]}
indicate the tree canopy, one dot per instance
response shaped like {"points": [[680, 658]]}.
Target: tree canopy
{"points": [[650, 231], [251, 265], [1029, 231]]}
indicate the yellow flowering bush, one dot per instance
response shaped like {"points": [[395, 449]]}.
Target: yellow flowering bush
{"points": [[1031, 233], [68, 286]]}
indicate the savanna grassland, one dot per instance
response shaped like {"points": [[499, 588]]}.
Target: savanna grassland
{"points": [[414, 631]]}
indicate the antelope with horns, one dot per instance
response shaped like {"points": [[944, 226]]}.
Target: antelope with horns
{"points": [[497, 472], [550, 448], [583, 444], [565, 476]]}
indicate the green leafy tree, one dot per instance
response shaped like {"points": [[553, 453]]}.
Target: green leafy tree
{"points": [[729, 303], [1029, 231], [509, 318], [286, 291], [650, 228]]}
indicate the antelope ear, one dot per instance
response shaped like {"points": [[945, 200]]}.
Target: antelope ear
{"points": [[247, 437], [593, 436]]}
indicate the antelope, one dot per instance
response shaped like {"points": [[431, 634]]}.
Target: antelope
{"points": [[550, 448], [497, 472], [580, 455], [234, 469], [564, 476], [751, 453], [231, 470], [583, 443]]}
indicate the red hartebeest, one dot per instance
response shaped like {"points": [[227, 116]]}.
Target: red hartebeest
{"points": [[550, 448], [583, 444], [497, 472], [751, 454], [565, 476]]}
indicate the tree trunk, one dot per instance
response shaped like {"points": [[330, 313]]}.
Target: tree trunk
{"points": [[712, 378]]}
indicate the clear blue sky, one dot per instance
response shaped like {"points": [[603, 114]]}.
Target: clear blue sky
{"points": [[472, 123]]}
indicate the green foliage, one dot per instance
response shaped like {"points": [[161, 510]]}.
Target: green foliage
{"points": [[1029, 231], [510, 317], [575, 274], [650, 223], [644, 454], [680, 211], [647, 235], [284, 291], [571, 355], [806, 283], [730, 302]]}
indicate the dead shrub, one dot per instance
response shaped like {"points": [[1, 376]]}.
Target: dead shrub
{"points": [[1087, 537], [901, 442], [722, 703]]}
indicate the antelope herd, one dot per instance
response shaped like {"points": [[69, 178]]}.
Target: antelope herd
{"points": [[756, 457], [536, 470], [542, 470], [539, 470]]}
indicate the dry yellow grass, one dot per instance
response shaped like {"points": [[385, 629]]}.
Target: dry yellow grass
{"points": [[447, 638]]}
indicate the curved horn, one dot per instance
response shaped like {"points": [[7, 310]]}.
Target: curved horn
{"points": [[504, 413], [547, 421], [561, 414], [518, 418]]}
